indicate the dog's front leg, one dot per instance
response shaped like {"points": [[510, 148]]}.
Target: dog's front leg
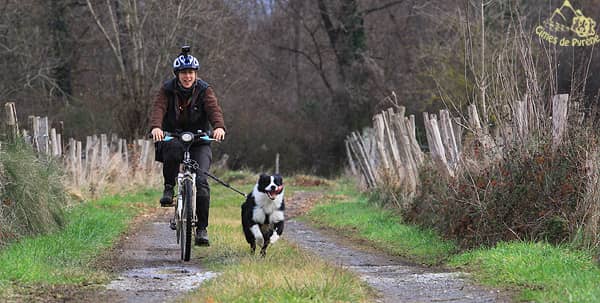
{"points": [[258, 236], [263, 250], [278, 230]]}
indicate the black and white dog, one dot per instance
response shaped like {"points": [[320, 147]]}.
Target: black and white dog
{"points": [[263, 213]]}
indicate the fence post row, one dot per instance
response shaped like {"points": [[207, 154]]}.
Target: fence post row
{"points": [[94, 163], [395, 150]]}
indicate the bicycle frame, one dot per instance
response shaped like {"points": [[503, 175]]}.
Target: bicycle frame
{"points": [[185, 219], [186, 172]]}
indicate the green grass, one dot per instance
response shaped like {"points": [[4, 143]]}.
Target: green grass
{"points": [[66, 257], [350, 213], [249, 278], [545, 273]]}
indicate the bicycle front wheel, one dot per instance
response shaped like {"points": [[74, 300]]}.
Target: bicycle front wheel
{"points": [[187, 217]]}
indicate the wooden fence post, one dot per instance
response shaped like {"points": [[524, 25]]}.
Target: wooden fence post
{"points": [[449, 139], [93, 161], [104, 150], [436, 145], [363, 161], [33, 126], [391, 135], [350, 158], [44, 137], [379, 127], [560, 104], [72, 159], [54, 143], [11, 119], [125, 155], [78, 164], [59, 145]]}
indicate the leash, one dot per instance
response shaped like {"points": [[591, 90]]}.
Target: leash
{"points": [[224, 183]]}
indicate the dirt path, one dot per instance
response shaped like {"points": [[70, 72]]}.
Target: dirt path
{"points": [[394, 279], [148, 262]]}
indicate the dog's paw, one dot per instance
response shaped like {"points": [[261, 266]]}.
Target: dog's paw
{"points": [[274, 238], [259, 242]]}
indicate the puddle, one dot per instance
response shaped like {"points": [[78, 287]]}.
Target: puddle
{"points": [[165, 279]]}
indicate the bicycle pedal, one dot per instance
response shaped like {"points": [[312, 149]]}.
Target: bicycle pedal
{"points": [[167, 204]]}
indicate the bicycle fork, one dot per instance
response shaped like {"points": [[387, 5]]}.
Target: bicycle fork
{"points": [[179, 209]]}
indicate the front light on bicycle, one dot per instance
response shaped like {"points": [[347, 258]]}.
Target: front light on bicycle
{"points": [[187, 137]]}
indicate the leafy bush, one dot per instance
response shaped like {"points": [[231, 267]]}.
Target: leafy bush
{"points": [[32, 196], [529, 194]]}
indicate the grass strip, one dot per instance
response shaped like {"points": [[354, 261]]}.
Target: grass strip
{"points": [[286, 274], [546, 273], [65, 257], [350, 213]]}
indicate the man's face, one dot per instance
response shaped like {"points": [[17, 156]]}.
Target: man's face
{"points": [[187, 77]]}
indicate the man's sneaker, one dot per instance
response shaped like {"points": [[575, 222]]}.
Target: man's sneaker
{"points": [[167, 198], [201, 237]]}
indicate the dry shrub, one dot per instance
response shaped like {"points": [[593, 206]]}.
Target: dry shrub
{"points": [[529, 194], [32, 196], [391, 191]]}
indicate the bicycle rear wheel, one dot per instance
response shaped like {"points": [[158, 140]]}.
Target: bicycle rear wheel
{"points": [[185, 241]]}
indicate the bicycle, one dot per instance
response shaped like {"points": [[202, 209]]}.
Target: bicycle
{"points": [[184, 219]]}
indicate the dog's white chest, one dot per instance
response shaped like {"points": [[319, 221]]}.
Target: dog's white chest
{"points": [[266, 207], [260, 214]]}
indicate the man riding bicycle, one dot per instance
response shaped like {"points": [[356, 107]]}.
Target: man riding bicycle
{"points": [[186, 103]]}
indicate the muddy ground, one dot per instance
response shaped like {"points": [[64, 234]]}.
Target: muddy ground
{"points": [[146, 264]]}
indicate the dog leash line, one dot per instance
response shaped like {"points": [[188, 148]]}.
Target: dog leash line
{"points": [[223, 183]]}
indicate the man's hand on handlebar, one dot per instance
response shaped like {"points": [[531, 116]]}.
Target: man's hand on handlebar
{"points": [[218, 134], [157, 134]]}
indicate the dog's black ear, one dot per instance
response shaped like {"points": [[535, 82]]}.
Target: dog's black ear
{"points": [[278, 179], [263, 181], [264, 178]]}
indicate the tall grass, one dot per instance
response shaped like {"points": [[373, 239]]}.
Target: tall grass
{"points": [[32, 197]]}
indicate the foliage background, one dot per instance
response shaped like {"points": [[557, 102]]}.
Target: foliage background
{"points": [[293, 76]]}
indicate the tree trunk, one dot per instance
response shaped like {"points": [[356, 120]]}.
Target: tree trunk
{"points": [[360, 79]]}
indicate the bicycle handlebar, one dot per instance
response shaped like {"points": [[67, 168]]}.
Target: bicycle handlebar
{"points": [[198, 136]]}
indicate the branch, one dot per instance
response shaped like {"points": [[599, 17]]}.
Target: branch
{"points": [[332, 32], [382, 7], [116, 51], [318, 66]]}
